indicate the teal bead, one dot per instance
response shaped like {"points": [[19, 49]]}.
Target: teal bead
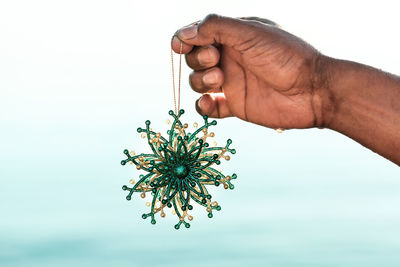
{"points": [[181, 171]]}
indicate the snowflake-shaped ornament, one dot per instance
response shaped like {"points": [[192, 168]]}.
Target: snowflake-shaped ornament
{"points": [[179, 169]]}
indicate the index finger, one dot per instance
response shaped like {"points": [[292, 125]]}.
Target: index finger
{"points": [[176, 45]]}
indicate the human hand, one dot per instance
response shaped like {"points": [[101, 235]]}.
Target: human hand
{"points": [[266, 75]]}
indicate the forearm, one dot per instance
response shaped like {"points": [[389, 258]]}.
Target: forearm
{"points": [[365, 106]]}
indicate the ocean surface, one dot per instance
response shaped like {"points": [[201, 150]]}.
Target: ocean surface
{"points": [[302, 198]]}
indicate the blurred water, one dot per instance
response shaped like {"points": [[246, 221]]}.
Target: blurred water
{"points": [[298, 201]]}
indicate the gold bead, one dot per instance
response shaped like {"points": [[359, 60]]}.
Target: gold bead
{"points": [[148, 204], [228, 178], [132, 153], [130, 162], [131, 181], [195, 125], [226, 186], [162, 214], [215, 203], [143, 135], [227, 157], [215, 143], [138, 167], [185, 125], [158, 135], [141, 158], [143, 195], [190, 218], [208, 209], [212, 134]]}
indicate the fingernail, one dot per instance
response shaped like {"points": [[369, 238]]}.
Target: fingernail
{"points": [[204, 57], [187, 32], [199, 106], [210, 78]]}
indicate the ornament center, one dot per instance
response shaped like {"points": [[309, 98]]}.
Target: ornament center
{"points": [[181, 171]]}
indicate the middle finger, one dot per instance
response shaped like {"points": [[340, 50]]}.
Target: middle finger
{"points": [[203, 57]]}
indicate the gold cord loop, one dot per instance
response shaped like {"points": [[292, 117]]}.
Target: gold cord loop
{"points": [[179, 79]]}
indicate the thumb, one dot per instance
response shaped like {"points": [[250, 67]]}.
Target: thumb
{"points": [[216, 29]]}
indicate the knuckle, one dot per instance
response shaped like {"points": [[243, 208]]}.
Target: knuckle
{"points": [[212, 18]]}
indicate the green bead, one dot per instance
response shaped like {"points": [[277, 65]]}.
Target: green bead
{"points": [[180, 171], [210, 215]]}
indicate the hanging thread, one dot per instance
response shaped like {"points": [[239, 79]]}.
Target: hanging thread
{"points": [[179, 79]]}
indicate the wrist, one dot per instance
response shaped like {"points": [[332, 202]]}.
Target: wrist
{"points": [[323, 84]]}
